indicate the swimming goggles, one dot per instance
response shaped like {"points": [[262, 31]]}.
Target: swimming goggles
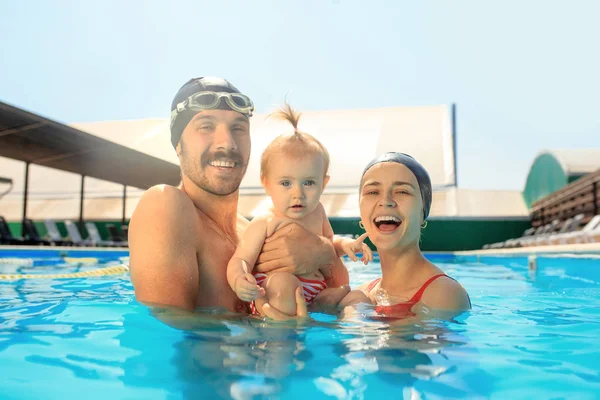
{"points": [[210, 100]]}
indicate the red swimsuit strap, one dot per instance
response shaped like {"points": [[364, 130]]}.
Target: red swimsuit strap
{"points": [[417, 297], [372, 285]]}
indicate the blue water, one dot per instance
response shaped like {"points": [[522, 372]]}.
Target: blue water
{"points": [[529, 335]]}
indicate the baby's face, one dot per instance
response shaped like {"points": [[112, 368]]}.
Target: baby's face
{"points": [[295, 184]]}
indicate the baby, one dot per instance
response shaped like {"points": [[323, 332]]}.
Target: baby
{"points": [[294, 174]]}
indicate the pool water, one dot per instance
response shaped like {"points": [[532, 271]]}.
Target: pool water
{"points": [[529, 335]]}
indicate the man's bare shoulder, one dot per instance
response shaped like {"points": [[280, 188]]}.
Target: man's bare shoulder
{"points": [[160, 196], [161, 208], [163, 248]]}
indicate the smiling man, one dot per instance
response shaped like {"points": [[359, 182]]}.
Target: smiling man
{"points": [[181, 238]]}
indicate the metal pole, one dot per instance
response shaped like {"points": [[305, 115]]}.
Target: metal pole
{"points": [[595, 188], [124, 204], [454, 144], [25, 195], [81, 203]]}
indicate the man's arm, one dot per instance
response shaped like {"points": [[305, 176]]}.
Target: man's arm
{"points": [[295, 249], [162, 243]]}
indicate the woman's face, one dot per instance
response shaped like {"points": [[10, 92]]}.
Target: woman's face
{"points": [[391, 207]]}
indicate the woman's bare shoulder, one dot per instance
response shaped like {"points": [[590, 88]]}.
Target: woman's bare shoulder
{"points": [[446, 294]]}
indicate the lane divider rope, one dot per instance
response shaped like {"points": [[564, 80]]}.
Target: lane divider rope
{"points": [[116, 270]]}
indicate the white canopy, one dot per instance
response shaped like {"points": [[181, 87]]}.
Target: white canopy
{"points": [[353, 138]]}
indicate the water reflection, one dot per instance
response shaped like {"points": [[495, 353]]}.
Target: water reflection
{"points": [[224, 355], [395, 353]]}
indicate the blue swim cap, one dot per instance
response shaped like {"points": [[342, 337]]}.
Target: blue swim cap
{"points": [[193, 87], [416, 168]]}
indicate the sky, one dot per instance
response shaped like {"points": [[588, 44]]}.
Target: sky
{"points": [[524, 75]]}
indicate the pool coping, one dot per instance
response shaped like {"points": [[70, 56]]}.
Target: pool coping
{"points": [[585, 250], [567, 250]]}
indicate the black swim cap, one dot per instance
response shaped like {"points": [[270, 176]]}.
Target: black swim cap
{"points": [[193, 86], [416, 168]]}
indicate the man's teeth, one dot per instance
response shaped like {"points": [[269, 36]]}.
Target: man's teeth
{"points": [[387, 218], [226, 164]]}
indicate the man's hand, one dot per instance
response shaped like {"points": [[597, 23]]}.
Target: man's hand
{"points": [[246, 288], [296, 250], [301, 310], [350, 247]]}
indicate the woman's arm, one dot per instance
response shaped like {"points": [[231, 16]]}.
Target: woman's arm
{"points": [[446, 294]]}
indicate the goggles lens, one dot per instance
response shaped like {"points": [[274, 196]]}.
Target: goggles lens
{"points": [[237, 101], [206, 99], [210, 100], [240, 100]]}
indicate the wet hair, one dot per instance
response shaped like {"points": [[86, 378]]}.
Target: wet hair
{"points": [[417, 169], [295, 144]]}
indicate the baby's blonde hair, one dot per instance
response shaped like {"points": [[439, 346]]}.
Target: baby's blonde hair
{"points": [[296, 144]]}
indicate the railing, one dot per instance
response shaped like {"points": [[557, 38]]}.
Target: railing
{"points": [[579, 197]]}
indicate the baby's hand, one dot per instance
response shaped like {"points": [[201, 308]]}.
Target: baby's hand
{"points": [[247, 289], [351, 247]]}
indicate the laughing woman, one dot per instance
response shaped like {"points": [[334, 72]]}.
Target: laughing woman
{"points": [[395, 199]]}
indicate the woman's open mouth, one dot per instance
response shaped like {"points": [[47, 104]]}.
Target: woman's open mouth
{"points": [[387, 223]]}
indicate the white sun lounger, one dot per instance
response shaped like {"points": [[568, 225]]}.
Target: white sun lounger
{"points": [[530, 240], [580, 236], [551, 229], [95, 237], [54, 234], [516, 242], [567, 229], [74, 235], [523, 241], [593, 235], [589, 234]]}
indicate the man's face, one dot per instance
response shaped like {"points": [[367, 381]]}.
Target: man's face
{"points": [[214, 150]]}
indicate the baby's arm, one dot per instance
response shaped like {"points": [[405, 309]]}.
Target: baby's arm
{"points": [[242, 263], [331, 296], [340, 297], [350, 247], [327, 232], [344, 245]]}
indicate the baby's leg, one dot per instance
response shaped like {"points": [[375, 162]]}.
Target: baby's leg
{"points": [[280, 288], [354, 297], [331, 296]]}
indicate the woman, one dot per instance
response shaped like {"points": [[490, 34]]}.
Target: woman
{"points": [[395, 199]]}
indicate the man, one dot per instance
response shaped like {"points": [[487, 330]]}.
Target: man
{"points": [[181, 238]]}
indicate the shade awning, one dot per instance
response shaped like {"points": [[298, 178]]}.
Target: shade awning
{"points": [[31, 138]]}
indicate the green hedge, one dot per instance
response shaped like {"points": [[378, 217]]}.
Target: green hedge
{"points": [[439, 235]]}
